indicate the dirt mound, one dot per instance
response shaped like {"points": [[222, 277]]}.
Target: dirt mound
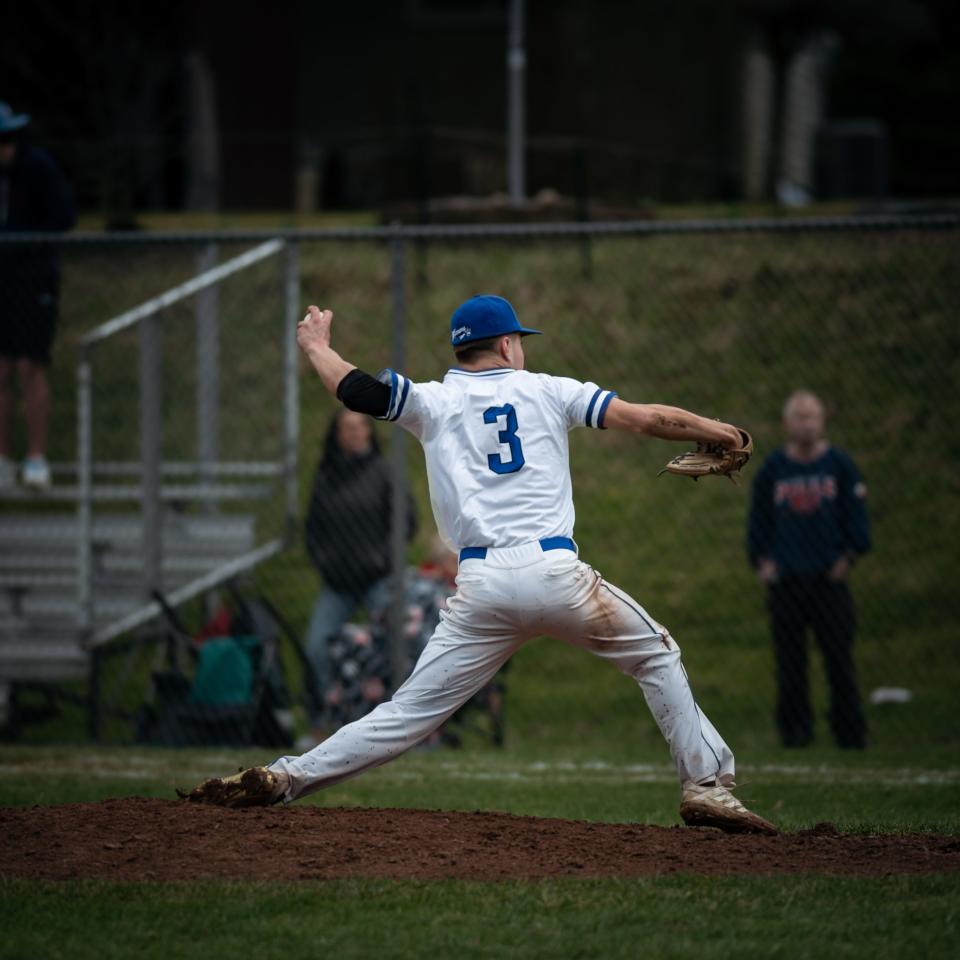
{"points": [[143, 839]]}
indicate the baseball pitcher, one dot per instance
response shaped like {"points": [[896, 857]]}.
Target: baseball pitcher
{"points": [[495, 438]]}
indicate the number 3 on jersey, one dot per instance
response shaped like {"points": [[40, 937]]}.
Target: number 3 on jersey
{"points": [[509, 436]]}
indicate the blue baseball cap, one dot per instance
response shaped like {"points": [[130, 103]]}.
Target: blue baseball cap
{"points": [[10, 121], [482, 317]]}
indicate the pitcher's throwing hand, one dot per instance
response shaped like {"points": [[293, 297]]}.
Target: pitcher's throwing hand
{"points": [[314, 329]]}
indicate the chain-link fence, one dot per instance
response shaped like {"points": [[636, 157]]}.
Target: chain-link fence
{"points": [[726, 319]]}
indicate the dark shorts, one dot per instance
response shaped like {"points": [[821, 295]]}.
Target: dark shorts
{"points": [[28, 317]]}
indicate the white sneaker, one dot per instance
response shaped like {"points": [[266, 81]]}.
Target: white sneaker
{"points": [[36, 473], [8, 474], [715, 806]]}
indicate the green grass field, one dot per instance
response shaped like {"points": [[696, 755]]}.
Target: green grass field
{"points": [[675, 916]]}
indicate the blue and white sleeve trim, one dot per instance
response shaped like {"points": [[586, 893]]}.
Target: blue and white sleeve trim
{"points": [[598, 408], [399, 391]]}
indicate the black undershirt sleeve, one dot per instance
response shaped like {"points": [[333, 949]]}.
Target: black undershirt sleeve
{"points": [[362, 393]]}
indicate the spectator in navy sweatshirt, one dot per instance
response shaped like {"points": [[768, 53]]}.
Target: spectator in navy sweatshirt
{"points": [[34, 196], [808, 524]]}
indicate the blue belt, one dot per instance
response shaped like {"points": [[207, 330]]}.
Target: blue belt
{"points": [[547, 543]]}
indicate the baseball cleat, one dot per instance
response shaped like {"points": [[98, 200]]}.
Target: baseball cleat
{"points": [[715, 806], [253, 787]]}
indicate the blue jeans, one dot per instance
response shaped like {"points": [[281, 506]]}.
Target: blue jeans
{"points": [[331, 611]]}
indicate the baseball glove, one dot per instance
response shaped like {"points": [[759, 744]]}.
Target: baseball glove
{"points": [[253, 787], [712, 459]]}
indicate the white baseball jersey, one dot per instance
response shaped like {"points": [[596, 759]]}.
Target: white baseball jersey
{"points": [[495, 443], [496, 449]]}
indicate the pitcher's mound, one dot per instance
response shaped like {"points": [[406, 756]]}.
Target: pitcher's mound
{"points": [[143, 839]]}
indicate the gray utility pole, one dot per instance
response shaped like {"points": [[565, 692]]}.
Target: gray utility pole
{"points": [[516, 112]]}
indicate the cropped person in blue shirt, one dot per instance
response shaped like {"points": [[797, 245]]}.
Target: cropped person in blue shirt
{"points": [[808, 523], [34, 196]]}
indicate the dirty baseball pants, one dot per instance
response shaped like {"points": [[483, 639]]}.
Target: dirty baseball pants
{"points": [[510, 596]]}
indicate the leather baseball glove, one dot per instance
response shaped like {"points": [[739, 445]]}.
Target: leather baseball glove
{"points": [[712, 459], [253, 787]]}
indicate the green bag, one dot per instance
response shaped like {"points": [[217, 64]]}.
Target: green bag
{"points": [[225, 671]]}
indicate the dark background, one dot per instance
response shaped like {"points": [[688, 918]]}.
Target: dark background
{"points": [[393, 100]]}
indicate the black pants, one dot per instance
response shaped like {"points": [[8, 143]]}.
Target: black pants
{"points": [[827, 608], [28, 313]]}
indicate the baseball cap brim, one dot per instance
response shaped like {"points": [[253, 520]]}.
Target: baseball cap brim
{"points": [[526, 331], [17, 122]]}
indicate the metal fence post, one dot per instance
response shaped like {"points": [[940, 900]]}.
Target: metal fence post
{"points": [[85, 535], [151, 438], [516, 106], [94, 696], [291, 384], [399, 654], [84, 493], [582, 191], [206, 311]]}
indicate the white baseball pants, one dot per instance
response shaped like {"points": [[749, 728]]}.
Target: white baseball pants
{"points": [[511, 596]]}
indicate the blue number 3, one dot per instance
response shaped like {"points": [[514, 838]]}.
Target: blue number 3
{"points": [[509, 436]]}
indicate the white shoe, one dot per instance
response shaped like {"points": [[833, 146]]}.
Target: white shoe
{"points": [[715, 806], [8, 474], [36, 473]]}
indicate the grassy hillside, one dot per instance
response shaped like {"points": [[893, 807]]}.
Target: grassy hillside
{"points": [[724, 325]]}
